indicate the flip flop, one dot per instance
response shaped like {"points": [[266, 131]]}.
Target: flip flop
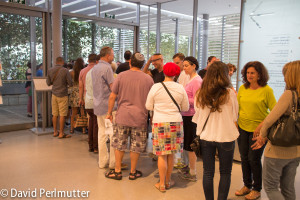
{"points": [[65, 136], [170, 184], [160, 187], [55, 135]]}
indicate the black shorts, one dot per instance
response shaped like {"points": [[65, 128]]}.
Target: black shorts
{"points": [[189, 132]]}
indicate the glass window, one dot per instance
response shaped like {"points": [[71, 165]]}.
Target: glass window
{"points": [[36, 3]]}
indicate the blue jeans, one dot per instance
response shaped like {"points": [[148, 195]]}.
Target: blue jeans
{"points": [[225, 150], [251, 161], [280, 173]]}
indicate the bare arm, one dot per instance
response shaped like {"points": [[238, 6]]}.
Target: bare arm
{"points": [[146, 67], [81, 101], [111, 103]]}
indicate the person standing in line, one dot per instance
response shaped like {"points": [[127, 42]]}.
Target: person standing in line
{"points": [[28, 89], [74, 96], [102, 79], [89, 106], [131, 89], [181, 159], [167, 127], [210, 60], [216, 117], [60, 78], [124, 66], [255, 99], [190, 66], [281, 163]]}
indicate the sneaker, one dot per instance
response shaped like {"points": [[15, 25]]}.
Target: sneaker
{"points": [[184, 170], [252, 195], [188, 176], [243, 191], [179, 165]]}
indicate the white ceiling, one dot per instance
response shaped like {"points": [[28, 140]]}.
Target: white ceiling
{"points": [[211, 7]]}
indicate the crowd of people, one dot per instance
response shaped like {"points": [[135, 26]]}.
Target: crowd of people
{"points": [[180, 102]]}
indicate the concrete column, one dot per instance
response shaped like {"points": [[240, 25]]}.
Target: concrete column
{"points": [[222, 39], [194, 34], [148, 32], [158, 16], [56, 30], [199, 41], [176, 35], [94, 31], [97, 8], [205, 40], [189, 46], [46, 113], [136, 43], [65, 37]]}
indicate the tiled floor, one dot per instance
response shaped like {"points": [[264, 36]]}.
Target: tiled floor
{"points": [[28, 161]]}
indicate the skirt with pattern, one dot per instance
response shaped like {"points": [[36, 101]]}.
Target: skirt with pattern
{"points": [[167, 138]]}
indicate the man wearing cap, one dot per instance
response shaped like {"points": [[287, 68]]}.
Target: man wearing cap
{"points": [[131, 87], [157, 73]]}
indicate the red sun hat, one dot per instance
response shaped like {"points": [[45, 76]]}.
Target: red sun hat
{"points": [[171, 69]]}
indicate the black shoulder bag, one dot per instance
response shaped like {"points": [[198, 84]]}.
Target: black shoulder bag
{"points": [[285, 132], [171, 96], [196, 143]]}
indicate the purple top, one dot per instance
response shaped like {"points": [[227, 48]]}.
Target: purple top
{"points": [[132, 88], [191, 88], [102, 77]]}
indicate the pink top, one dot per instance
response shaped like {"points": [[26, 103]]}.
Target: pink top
{"points": [[191, 88], [82, 75]]}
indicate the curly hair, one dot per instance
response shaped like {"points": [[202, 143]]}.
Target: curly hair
{"points": [[193, 61], [214, 89], [263, 75]]}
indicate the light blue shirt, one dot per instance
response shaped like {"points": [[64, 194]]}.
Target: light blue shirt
{"points": [[102, 77]]}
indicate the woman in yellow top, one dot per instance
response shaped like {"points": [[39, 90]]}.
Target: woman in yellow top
{"points": [[255, 99]]}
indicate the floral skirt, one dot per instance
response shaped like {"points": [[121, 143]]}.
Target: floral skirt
{"points": [[167, 138]]}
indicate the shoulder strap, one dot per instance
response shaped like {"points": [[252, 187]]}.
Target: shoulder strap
{"points": [[55, 75], [171, 96], [206, 121]]}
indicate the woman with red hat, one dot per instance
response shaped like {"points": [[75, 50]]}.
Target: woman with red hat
{"points": [[167, 99]]}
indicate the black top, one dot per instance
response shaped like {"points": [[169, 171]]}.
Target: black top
{"points": [[202, 73], [157, 76], [28, 83], [123, 67]]}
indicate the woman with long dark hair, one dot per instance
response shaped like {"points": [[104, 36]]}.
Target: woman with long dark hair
{"points": [[216, 117], [74, 97]]}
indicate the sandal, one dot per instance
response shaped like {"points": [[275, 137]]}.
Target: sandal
{"points": [[161, 188], [112, 174], [64, 136], [137, 174], [55, 135], [170, 184]]}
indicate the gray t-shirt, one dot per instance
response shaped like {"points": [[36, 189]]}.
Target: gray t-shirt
{"points": [[61, 81], [132, 88]]}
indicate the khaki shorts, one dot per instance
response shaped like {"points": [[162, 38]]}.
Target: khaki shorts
{"points": [[59, 106]]}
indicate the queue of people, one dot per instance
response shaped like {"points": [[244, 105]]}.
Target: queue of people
{"points": [[183, 104]]}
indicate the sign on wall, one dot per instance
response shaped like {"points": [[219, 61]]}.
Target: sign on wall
{"points": [[270, 32]]}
